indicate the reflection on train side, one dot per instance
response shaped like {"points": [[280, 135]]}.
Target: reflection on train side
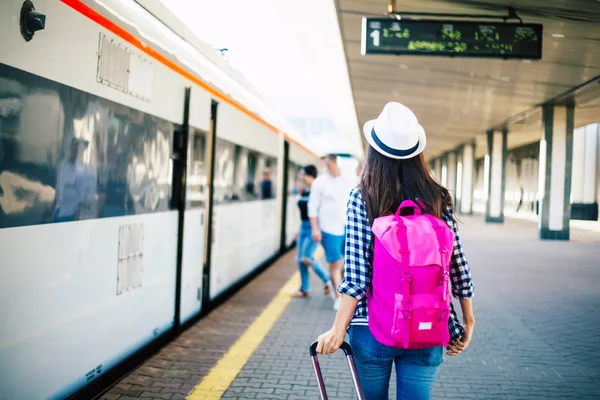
{"points": [[242, 174], [68, 155]]}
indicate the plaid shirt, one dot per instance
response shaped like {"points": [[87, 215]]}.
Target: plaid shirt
{"points": [[358, 269]]}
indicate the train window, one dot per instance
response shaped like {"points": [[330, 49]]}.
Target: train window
{"points": [[267, 167], [295, 182], [224, 171], [242, 174], [250, 176], [196, 175], [68, 155]]}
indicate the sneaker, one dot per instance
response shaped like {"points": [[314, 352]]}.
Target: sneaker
{"points": [[300, 293], [336, 303]]}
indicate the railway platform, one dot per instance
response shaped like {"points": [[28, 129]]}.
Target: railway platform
{"points": [[156, 158], [537, 334]]}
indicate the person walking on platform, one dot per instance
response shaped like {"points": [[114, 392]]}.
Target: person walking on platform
{"points": [[399, 218], [305, 244], [327, 209], [521, 196]]}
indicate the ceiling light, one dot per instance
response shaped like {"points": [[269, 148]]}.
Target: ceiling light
{"points": [[558, 35]]}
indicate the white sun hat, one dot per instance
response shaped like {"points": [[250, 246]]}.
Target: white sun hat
{"points": [[396, 133]]}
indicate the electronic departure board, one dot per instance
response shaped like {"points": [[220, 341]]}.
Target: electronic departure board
{"points": [[451, 38]]}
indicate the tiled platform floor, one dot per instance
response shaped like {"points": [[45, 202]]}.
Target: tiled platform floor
{"points": [[537, 336], [537, 333], [174, 371]]}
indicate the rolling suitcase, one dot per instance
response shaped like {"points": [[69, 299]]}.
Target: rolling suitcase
{"points": [[348, 351]]}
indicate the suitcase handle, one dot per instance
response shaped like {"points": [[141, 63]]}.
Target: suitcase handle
{"points": [[349, 357], [345, 346]]}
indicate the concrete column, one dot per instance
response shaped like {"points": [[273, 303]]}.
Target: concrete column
{"points": [[530, 171], [438, 169], [467, 173], [496, 154], [584, 205], [459, 178], [598, 166], [451, 180], [556, 154], [578, 166], [591, 154], [444, 171]]}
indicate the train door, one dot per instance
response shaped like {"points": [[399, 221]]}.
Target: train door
{"points": [[194, 235], [192, 171]]}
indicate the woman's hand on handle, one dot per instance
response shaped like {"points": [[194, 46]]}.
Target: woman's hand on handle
{"points": [[330, 341]]}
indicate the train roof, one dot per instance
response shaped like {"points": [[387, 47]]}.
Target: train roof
{"points": [[152, 23]]}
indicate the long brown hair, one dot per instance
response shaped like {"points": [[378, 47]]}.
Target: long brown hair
{"points": [[386, 182]]}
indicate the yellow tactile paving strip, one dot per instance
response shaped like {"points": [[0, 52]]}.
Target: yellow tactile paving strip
{"points": [[220, 377]]}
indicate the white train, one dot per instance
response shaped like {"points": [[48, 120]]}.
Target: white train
{"points": [[140, 180]]}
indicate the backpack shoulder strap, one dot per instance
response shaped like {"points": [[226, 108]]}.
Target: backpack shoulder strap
{"points": [[406, 277]]}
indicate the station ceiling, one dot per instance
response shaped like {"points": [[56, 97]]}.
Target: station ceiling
{"points": [[458, 99]]}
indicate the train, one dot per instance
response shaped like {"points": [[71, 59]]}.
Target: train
{"points": [[141, 180]]}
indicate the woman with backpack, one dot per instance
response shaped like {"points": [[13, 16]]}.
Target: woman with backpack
{"points": [[403, 258]]}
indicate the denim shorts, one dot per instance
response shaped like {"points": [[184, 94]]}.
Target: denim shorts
{"points": [[333, 245]]}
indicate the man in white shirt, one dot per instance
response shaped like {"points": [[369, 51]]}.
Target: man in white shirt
{"points": [[327, 212], [75, 186]]}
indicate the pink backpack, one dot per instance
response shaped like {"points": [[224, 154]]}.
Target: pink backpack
{"points": [[409, 299]]}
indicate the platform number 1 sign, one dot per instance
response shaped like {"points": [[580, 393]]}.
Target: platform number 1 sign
{"points": [[375, 36]]}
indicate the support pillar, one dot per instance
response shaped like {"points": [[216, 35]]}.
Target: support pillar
{"points": [[496, 154], [584, 205], [590, 191], [444, 171], [438, 169], [467, 172], [556, 154], [578, 168], [451, 179], [459, 179]]}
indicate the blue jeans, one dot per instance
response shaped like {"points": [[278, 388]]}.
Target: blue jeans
{"points": [[416, 370], [306, 249]]}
